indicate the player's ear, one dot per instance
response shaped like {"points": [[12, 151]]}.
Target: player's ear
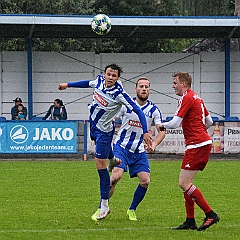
{"points": [[183, 84]]}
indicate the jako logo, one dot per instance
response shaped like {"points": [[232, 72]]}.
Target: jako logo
{"points": [[53, 134], [19, 134]]}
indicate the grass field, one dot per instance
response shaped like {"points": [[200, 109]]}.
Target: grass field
{"points": [[55, 200]]}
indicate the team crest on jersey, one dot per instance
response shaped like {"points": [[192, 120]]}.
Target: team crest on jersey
{"points": [[100, 99], [148, 114], [111, 96], [134, 123]]}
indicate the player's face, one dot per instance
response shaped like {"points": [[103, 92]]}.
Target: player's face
{"points": [[111, 77], [178, 86], [143, 89]]}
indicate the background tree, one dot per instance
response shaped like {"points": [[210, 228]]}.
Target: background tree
{"points": [[112, 7], [206, 7]]}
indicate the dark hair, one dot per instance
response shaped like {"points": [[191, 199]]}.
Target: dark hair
{"points": [[59, 101], [115, 67]]}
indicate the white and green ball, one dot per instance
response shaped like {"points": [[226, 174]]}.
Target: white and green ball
{"points": [[101, 24]]}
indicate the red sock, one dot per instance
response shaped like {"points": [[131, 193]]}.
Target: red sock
{"points": [[196, 194], [189, 205]]}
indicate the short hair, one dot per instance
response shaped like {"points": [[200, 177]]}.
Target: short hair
{"points": [[142, 78], [115, 67], [184, 77]]}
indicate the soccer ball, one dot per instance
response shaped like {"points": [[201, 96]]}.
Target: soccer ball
{"points": [[101, 24]]}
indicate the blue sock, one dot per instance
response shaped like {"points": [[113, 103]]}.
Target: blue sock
{"points": [[138, 196], [104, 183], [111, 155]]}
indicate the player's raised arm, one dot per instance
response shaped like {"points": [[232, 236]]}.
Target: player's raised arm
{"points": [[79, 84]]}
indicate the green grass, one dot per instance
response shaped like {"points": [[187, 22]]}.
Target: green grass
{"points": [[55, 200]]}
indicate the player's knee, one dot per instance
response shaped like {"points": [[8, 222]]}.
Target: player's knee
{"points": [[184, 185], [116, 175], [145, 182]]}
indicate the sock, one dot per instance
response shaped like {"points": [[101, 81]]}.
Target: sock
{"points": [[104, 203], [111, 155], [195, 193], [138, 196], [211, 214], [189, 206], [104, 183]]}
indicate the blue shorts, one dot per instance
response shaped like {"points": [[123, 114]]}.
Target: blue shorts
{"points": [[103, 142], [133, 162]]}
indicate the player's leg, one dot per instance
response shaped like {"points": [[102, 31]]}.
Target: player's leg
{"points": [[139, 194], [200, 155], [112, 161], [115, 177], [141, 189], [103, 147], [117, 171], [122, 168], [117, 174], [191, 192], [185, 181], [104, 177], [140, 168]]}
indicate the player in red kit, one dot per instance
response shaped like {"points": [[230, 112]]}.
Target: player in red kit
{"points": [[195, 119]]}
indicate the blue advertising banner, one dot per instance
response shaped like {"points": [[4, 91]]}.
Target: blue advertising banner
{"points": [[38, 137], [3, 139]]}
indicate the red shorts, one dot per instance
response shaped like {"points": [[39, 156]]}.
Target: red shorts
{"points": [[196, 158]]}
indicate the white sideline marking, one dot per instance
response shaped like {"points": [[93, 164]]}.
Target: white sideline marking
{"points": [[94, 229], [77, 230]]}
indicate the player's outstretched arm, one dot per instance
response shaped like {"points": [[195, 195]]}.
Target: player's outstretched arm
{"points": [[62, 86], [160, 136]]}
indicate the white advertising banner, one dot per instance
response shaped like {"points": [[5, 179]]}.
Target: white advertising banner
{"points": [[232, 137], [225, 136], [172, 143]]}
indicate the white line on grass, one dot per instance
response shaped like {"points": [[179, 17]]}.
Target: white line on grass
{"points": [[78, 230], [95, 229]]}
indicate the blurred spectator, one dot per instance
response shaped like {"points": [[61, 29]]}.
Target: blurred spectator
{"points": [[20, 113], [14, 109], [57, 111]]}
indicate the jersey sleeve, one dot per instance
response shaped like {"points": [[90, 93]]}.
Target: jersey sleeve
{"points": [[80, 84], [157, 116]]}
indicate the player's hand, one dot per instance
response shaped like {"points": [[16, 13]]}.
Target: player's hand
{"points": [[148, 139], [62, 86], [162, 128], [148, 149]]}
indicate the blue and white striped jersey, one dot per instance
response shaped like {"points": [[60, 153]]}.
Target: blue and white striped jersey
{"points": [[130, 135], [107, 102]]}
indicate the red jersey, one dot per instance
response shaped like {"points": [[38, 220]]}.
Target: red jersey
{"points": [[192, 110]]}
